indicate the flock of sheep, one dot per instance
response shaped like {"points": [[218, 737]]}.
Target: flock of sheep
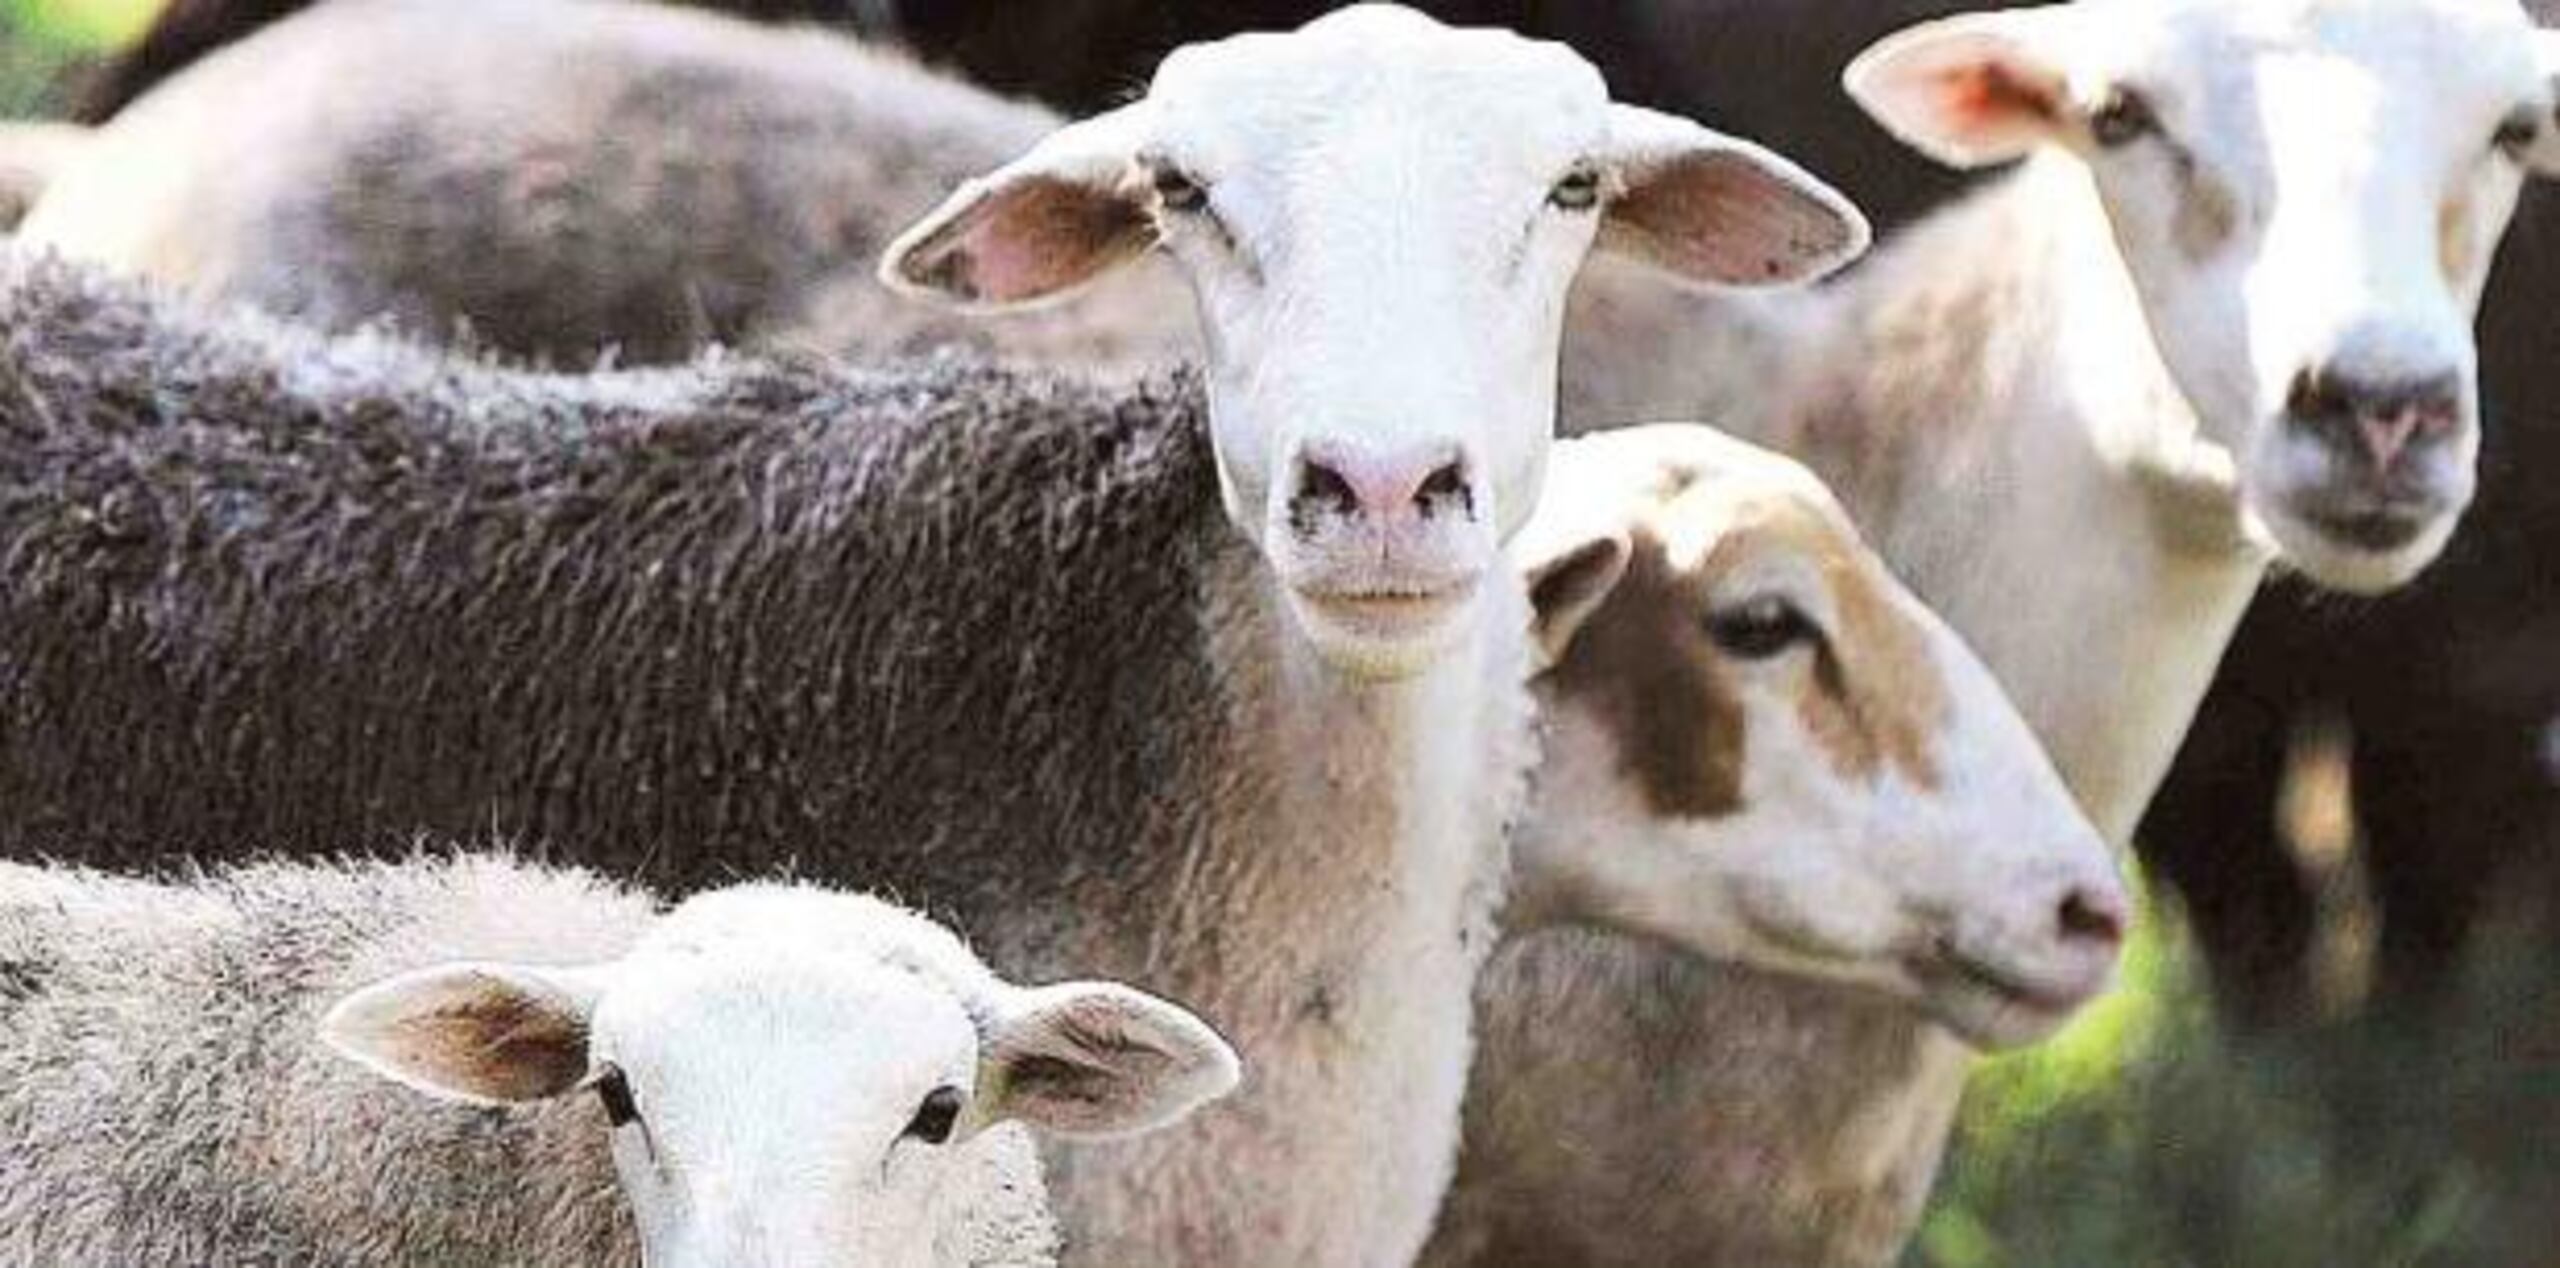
{"points": [[440, 784]]}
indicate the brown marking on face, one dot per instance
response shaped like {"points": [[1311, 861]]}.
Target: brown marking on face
{"points": [[1871, 697], [1642, 665], [1672, 699], [1645, 666]]}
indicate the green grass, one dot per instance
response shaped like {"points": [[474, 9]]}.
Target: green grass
{"points": [[80, 25], [2145, 1138]]}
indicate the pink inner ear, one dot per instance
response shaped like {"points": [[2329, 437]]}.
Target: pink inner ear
{"points": [[1987, 96], [1720, 217], [1039, 236]]}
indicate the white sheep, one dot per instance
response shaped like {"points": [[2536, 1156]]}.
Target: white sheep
{"points": [[1760, 746], [1224, 690], [2218, 316], [700, 179], [762, 1075]]}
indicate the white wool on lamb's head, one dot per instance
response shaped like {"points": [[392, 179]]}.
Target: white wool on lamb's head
{"points": [[1380, 217], [2305, 196], [794, 1076]]}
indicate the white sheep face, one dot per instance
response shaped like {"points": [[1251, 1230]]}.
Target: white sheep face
{"points": [[1762, 748], [2306, 196], [1379, 216], [790, 1077]]}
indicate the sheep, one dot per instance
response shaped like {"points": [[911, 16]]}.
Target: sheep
{"points": [[185, 31], [767, 1073], [699, 180], [1763, 1118], [1758, 746], [411, 127], [1213, 682], [2079, 413], [545, 604]]}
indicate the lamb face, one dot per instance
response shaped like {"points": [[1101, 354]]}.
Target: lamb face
{"points": [[1763, 748], [2306, 196], [798, 1078], [1379, 217]]}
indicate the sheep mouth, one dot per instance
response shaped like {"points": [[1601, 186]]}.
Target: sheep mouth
{"points": [[1992, 1006], [2380, 531], [1387, 613]]}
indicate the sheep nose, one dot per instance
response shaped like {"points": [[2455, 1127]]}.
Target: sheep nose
{"points": [[2093, 915], [2375, 420], [1424, 482]]}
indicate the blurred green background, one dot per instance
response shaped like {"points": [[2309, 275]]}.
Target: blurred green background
{"points": [[41, 39], [2144, 1137]]}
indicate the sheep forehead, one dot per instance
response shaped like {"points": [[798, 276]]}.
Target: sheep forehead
{"points": [[2432, 48], [1732, 534], [1381, 75], [770, 921], [782, 1053], [1684, 478]]}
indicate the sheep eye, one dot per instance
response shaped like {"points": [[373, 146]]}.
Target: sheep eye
{"points": [[613, 1091], [1578, 191], [2517, 133], [1178, 192], [2122, 119], [1761, 629], [936, 1117]]}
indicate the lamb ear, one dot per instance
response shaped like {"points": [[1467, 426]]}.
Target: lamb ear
{"points": [[1038, 229], [1099, 1059], [1569, 575], [1715, 209], [479, 1034], [1968, 91]]}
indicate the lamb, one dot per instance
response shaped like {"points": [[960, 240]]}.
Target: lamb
{"points": [[1214, 683], [2080, 414], [700, 180], [169, 1093]]}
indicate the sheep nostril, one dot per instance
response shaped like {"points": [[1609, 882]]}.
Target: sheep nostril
{"points": [[1445, 487], [2088, 916], [1321, 491]]}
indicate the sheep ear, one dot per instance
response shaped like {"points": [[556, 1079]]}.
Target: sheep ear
{"points": [[1968, 91], [1569, 575], [1038, 229], [1710, 208], [1097, 1059], [480, 1034]]}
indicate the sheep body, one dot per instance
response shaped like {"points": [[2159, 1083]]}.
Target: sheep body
{"points": [[562, 181], [984, 638]]}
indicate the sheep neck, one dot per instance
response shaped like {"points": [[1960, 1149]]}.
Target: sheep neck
{"points": [[1331, 921], [1986, 397], [1988, 400]]}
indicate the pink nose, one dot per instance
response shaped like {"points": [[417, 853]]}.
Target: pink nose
{"points": [[2378, 420], [1425, 481], [2387, 434]]}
